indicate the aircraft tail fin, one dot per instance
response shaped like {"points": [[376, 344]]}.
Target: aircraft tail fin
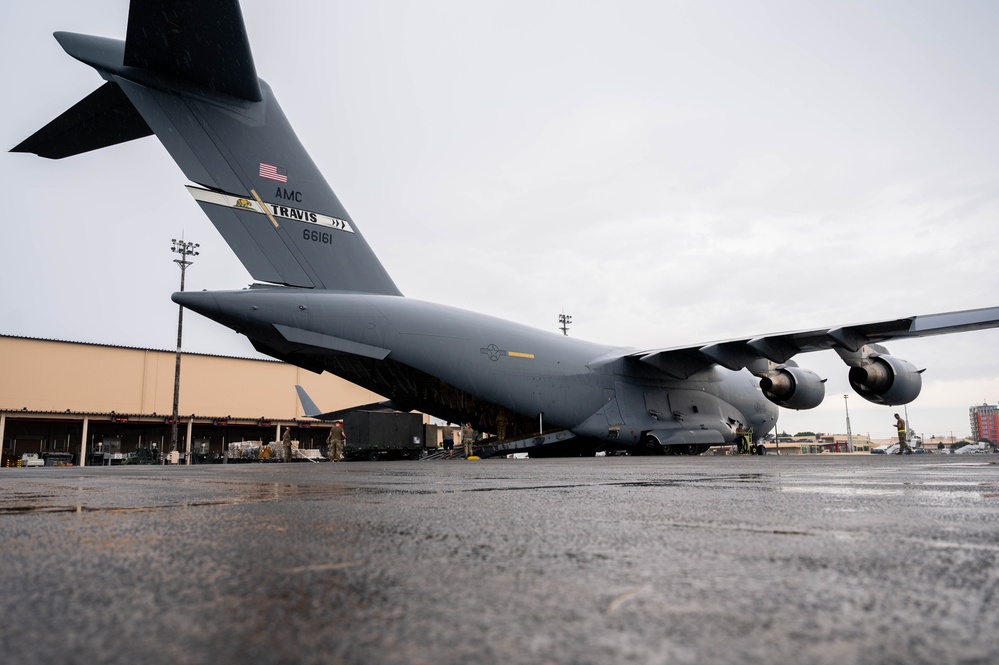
{"points": [[204, 43], [186, 74]]}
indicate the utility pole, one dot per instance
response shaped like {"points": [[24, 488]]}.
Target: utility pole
{"points": [[564, 321], [908, 427], [185, 249], [849, 433]]}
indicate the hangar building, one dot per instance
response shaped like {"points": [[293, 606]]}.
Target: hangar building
{"points": [[80, 398]]}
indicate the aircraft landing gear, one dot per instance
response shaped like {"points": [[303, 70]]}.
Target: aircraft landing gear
{"points": [[688, 449], [649, 446]]}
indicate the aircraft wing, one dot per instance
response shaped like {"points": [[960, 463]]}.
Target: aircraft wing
{"points": [[683, 362]]}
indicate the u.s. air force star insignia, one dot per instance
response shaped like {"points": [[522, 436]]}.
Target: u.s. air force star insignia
{"points": [[493, 351]]}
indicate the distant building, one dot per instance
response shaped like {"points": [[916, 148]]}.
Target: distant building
{"points": [[819, 443], [90, 399], [984, 423]]}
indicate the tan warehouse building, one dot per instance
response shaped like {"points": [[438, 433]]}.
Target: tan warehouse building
{"points": [[91, 399]]}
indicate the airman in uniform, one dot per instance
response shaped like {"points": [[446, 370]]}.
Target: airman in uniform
{"points": [[903, 447], [467, 438], [286, 444], [335, 442]]}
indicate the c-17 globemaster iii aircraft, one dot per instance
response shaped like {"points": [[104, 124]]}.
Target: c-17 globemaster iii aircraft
{"points": [[323, 301]]}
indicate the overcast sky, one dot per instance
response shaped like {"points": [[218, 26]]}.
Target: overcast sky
{"points": [[668, 173]]}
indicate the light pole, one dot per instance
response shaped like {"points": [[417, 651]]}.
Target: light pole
{"points": [[185, 249], [565, 321], [908, 427], [849, 433]]}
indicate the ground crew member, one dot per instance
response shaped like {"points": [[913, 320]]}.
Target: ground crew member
{"points": [[467, 437], [449, 440], [335, 442], [501, 425], [286, 442], [903, 447]]}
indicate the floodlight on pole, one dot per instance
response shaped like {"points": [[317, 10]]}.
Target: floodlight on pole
{"points": [[565, 321], [849, 433], [185, 249]]}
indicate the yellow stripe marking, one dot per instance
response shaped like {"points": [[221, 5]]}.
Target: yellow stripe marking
{"points": [[266, 210], [517, 354]]}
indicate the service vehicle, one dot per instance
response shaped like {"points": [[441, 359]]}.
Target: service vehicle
{"points": [[382, 435]]}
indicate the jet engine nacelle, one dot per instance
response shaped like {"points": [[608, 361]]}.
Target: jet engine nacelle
{"points": [[887, 380], [794, 388]]}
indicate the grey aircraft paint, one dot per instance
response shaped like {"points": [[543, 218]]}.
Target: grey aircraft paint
{"points": [[185, 73]]}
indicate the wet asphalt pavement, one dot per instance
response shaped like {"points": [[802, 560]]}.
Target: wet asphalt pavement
{"points": [[819, 559]]}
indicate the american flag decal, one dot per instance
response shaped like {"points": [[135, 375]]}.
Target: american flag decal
{"points": [[272, 172]]}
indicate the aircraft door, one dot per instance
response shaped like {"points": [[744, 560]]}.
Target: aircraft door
{"points": [[608, 422], [612, 413]]}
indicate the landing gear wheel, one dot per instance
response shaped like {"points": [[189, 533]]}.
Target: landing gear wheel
{"points": [[761, 449], [649, 446]]}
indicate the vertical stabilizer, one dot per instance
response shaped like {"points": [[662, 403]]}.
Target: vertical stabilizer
{"points": [[186, 74]]}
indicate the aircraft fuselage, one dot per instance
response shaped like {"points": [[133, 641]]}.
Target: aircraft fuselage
{"points": [[465, 366]]}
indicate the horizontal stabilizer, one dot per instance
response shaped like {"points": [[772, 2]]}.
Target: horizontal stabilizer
{"points": [[104, 117], [308, 406]]}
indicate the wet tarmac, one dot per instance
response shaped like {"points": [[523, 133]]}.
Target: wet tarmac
{"points": [[820, 559]]}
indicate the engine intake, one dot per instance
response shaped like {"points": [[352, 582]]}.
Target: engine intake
{"points": [[794, 388], [887, 380]]}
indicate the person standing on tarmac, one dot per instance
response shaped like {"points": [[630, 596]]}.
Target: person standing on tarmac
{"points": [[286, 444], [467, 437], [335, 442], [449, 440], [903, 447]]}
